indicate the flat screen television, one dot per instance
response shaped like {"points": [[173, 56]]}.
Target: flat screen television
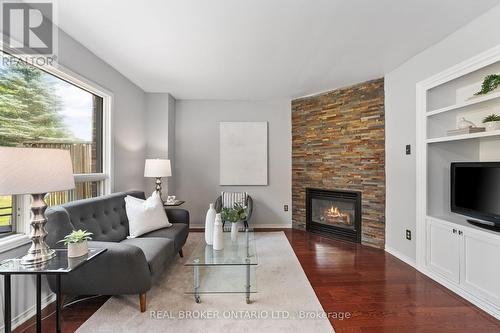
{"points": [[475, 191]]}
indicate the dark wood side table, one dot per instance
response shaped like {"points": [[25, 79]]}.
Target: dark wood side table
{"points": [[174, 204], [59, 265]]}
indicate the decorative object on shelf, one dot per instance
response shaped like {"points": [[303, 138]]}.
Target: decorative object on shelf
{"points": [[157, 168], [218, 240], [77, 243], [492, 122], [490, 83], [170, 199], [35, 171], [467, 130], [209, 224], [464, 123], [234, 215]]}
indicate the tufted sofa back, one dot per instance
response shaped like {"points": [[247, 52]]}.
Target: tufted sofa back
{"points": [[104, 216]]}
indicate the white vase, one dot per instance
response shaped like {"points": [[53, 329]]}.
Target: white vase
{"points": [[209, 225], [77, 249], [492, 125], [218, 243], [234, 231]]}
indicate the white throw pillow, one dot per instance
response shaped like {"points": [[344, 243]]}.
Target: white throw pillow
{"points": [[145, 215]]}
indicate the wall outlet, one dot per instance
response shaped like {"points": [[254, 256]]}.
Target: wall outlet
{"points": [[285, 208], [408, 149], [408, 234]]}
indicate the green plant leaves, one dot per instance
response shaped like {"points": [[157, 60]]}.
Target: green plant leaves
{"points": [[77, 236], [491, 117], [490, 83], [235, 214]]}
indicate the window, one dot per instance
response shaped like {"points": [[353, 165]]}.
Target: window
{"points": [[39, 109]]}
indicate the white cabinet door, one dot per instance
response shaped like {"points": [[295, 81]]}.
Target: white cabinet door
{"points": [[480, 266], [443, 250]]}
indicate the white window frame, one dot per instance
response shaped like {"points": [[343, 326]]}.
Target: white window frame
{"points": [[22, 202]]}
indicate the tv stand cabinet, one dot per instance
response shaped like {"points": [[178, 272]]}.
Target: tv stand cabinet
{"points": [[466, 260], [461, 256]]}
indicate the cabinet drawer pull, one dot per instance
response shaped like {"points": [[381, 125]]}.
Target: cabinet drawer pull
{"points": [[460, 232], [454, 231]]}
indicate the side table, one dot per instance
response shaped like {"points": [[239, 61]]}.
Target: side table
{"points": [[174, 204], [59, 265]]}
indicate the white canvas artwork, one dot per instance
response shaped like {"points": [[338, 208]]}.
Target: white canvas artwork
{"points": [[243, 153]]}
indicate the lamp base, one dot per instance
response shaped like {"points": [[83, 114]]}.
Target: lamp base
{"points": [[39, 252], [158, 187]]}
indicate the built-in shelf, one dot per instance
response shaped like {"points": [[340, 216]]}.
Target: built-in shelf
{"points": [[460, 105], [449, 249], [464, 136]]}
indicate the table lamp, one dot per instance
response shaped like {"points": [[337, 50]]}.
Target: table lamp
{"points": [[35, 171], [157, 168]]}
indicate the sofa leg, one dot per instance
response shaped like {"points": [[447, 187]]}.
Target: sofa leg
{"points": [[181, 253], [142, 301]]}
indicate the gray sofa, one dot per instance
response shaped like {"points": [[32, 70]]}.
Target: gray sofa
{"points": [[129, 266]]}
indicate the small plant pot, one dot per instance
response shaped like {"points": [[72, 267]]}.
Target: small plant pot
{"points": [[492, 125], [77, 249]]}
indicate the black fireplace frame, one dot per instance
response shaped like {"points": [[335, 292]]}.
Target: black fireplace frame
{"points": [[338, 232]]}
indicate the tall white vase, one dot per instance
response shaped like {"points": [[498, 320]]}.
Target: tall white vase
{"points": [[209, 225], [218, 236], [234, 231]]}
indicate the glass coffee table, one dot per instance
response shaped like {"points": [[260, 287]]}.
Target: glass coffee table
{"points": [[228, 271]]}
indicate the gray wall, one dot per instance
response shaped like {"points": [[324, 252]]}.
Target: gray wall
{"points": [[129, 143], [197, 156], [400, 114], [160, 125]]}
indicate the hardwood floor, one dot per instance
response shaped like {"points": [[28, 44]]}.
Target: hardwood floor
{"points": [[381, 293]]}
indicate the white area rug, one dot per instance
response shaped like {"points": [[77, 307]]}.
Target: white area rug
{"points": [[283, 299]]}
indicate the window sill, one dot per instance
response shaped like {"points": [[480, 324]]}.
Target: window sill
{"points": [[11, 242]]}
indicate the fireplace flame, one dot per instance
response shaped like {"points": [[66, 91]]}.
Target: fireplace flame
{"points": [[334, 212]]}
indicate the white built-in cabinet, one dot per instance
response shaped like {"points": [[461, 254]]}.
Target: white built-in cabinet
{"points": [[443, 254], [465, 256], [460, 256]]}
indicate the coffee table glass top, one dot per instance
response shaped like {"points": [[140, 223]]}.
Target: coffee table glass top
{"points": [[60, 264], [227, 271], [242, 251]]}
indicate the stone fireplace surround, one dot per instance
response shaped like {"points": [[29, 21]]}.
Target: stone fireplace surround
{"points": [[338, 143]]}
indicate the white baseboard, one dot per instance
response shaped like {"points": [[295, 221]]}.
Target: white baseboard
{"points": [[402, 257], [30, 312], [263, 226]]}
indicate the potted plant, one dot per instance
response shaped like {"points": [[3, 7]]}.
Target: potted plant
{"points": [[234, 215], [490, 83], [492, 122], [77, 243]]}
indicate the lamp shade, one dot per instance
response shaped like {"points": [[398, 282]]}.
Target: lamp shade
{"points": [[35, 170], [157, 168]]}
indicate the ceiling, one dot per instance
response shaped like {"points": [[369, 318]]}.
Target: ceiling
{"points": [[259, 49]]}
